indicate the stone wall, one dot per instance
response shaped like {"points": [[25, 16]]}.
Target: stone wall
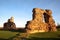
{"points": [[9, 25], [42, 21]]}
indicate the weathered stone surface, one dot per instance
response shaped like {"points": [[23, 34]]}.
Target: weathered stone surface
{"points": [[10, 25], [42, 21], [49, 20]]}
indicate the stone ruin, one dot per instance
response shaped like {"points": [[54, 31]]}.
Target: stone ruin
{"points": [[42, 21], [9, 25]]}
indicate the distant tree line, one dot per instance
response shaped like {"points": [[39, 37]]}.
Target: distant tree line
{"points": [[58, 25]]}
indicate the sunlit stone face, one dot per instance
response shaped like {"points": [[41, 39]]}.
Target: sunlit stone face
{"points": [[12, 19], [41, 21]]}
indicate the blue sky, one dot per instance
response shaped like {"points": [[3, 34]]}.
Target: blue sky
{"points": [[22, 10]]}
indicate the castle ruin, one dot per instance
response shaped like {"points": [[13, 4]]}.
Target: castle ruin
{"points": [[42, 21]]}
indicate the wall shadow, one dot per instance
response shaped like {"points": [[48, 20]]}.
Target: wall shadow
{"points": [[36, 38], [3, 39]]}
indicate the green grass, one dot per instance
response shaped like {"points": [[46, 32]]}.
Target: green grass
{"points": [[46, 35], [35, 36], [7, 34]]}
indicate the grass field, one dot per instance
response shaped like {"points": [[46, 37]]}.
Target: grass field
{"points": [[9, 35], [45, 35]]}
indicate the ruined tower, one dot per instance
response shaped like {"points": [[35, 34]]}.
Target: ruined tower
{"points": [[10, 25], [42, 21]]}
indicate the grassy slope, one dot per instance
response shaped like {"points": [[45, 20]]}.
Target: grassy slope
{"points": [[7, 34], [34, 36], [46, 35]]}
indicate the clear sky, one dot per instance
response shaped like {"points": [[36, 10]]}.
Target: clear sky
{"points": [[22, 10]]}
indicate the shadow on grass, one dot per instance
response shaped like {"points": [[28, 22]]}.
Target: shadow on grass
{"points": [[3, 39], [36, 38], [21, 31], [11, 38]]}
